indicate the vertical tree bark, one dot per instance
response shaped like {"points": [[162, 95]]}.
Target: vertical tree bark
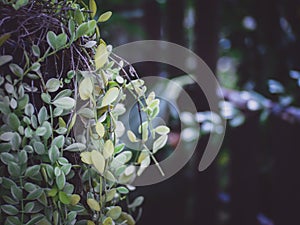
{"points": [[284, 143], [244, 194], [206, 46]]}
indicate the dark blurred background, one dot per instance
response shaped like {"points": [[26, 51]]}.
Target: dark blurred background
{"points": [[253, 48]]}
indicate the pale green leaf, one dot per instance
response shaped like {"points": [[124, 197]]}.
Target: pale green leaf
{"points": [[110, 96], [162, 130], [108, 221], [100, 129], [53, 84], [101, 56], [93, 7], [16, 69], [114, 212], [93, 204], [159, 143], [131, 136], [86, 157], [75, 147], [105, 16], [85, 88], [108, 150], [137, 202], [98, 161], [74, 199], [5, 59], [65, 103]]}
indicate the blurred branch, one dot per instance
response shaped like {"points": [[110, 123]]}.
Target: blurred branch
{"points": [[244, 101]]}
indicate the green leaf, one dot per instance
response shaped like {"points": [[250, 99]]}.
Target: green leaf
{"points": [[82, 30], [86, 88], [14, 169], [119, 148], [53, 84], [35, 66], [32, 171], [128, 218], [123, 190], [63, 93], [108, 221], [86, 112], [162, 130], [51, 38], [16, 69], [41, 131], [144, 160], [110, 96], [48, 127], [71, 217], [13, 121], [66, 168], [131, 136], [137, 202], [86, 157], [69, 188], [22, 156], [61, 40], [75, 147], [109, 176], [114, 212], [16, 192], [74, 199], [52, 192], [57, 171], [101, 56], [65, 103], [29, 110], [93, 204], [5, 59], [4, 38], [61, 130], [7, 136], [10, 210], [43, 115], [9, 88], [29, 187], [56, 42], [71, 26], [29, 207], [98, 161], [108, 149], [93, 8], [159, 143], [12, 220], [78, 16], [53, 153], [46, 98], [34, 194], [100, 129], [60, 181], [110, 194], [35, 220], [105, 16], [36, 50], [64, 198], [63, 161], [19, 4], [57, 112], [59, 141], [7, 158], [39, 148], [7, 183]]}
